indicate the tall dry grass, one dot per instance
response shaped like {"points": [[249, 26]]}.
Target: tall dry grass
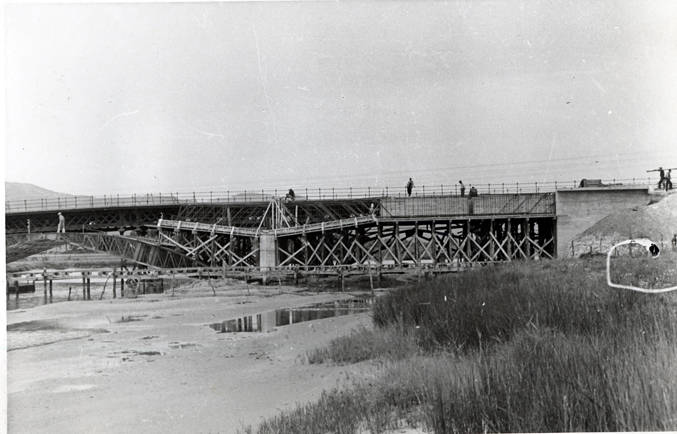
{"points": [[543, 347]]}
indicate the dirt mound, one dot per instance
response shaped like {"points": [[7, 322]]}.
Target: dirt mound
{"points": [[657, 222]]}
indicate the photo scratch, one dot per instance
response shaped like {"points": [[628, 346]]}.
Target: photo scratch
{"points": [[117, 116]]}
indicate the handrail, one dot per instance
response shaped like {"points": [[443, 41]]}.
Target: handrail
{"points": [[249, 196]]}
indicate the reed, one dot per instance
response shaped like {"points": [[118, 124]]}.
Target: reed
{"points": [[517, 348]]}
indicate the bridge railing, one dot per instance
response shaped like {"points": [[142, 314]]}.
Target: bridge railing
{"points": [[178, 198]]}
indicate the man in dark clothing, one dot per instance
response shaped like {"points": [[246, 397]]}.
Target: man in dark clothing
{"points": [[661, 183], [291, 195], [462, 188], [473, 191], [410, 186], [668, 180]]}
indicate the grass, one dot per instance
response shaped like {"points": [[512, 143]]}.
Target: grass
{"points": [[530, 347]]}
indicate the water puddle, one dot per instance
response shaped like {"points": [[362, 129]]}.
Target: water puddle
{"points": [[267, 321], [131, 318]]}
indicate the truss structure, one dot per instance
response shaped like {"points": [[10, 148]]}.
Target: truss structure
{"points": [[144, 252], [370, 241]]}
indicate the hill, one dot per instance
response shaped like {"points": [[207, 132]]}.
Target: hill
{"points": [[657, 222], [23, 191]]}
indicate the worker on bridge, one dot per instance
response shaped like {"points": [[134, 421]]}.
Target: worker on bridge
{"points": [[62, 224], [410, 186], [668, 180]]}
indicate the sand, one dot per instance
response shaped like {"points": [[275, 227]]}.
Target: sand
{"points": [[657, 222], [74, 367]]}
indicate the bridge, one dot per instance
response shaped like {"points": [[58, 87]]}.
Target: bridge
{"points": [[329, 230]]}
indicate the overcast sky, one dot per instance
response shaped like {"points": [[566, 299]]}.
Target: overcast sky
{"points": [[159, 97]]}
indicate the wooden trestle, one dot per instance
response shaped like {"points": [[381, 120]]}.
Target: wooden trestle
{"points": [[398, 233]]}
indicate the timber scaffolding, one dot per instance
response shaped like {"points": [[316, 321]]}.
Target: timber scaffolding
{"points": [[438, 233]]}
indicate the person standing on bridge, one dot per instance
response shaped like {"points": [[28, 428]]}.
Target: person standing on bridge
{"points": [[668, 180], [462, 188], [410, 186], [661, 182], [62, 224]]}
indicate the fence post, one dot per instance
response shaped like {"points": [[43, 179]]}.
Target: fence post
{"points": [[25, 206], [489, 188], [368, 191], [442, 189], [536, 183], [424, 191], [351, 192]]}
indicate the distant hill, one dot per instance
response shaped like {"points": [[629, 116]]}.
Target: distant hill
{"points": [[23, 191]]}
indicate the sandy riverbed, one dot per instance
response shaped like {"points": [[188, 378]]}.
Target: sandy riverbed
{"points": [[73, 367]]}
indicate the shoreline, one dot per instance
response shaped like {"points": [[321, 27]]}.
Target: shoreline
{"points": [[166, 371]]}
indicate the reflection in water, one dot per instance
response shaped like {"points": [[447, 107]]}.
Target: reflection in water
{"points": [[265, 322]]}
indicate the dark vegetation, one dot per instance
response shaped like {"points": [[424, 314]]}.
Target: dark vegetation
{"points": [[539, 347]]}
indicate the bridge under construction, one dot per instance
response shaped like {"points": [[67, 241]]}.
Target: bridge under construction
{"points": [[442, 232]]}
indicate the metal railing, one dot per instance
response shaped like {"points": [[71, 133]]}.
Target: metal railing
{"points": [[227, 196]]}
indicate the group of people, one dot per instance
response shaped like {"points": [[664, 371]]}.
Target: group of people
{"points": [[666, 179], [472, 192]]}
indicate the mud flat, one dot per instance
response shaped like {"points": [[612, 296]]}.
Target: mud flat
{"points": [[154, 364]]}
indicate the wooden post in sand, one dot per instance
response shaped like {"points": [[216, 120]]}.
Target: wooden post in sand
{"points": [[69, 293], [44, 280], [122, 285], [50, 288], [16, 287], [114, 284], [84, 288], [89, 293]]}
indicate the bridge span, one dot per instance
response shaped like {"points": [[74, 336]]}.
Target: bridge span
{"points": [[272, 234]]}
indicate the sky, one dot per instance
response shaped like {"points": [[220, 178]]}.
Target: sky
{"points": [[175, 97]]}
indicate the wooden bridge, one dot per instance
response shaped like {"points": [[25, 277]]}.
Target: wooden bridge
{"points": [[269, 233], [137, 250]]}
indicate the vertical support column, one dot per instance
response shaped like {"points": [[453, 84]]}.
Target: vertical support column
{"points": [[122, 285], [508, 246], [492, 247], [115, 282], [527, 237], [231, 249], [433, 242], [468, 243], [305, 250], [267, 252], [417, 249], [398, 255], [450, 251], [84, 287], [379, 240], [50, 288], [89, 287], [553, 234]]}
